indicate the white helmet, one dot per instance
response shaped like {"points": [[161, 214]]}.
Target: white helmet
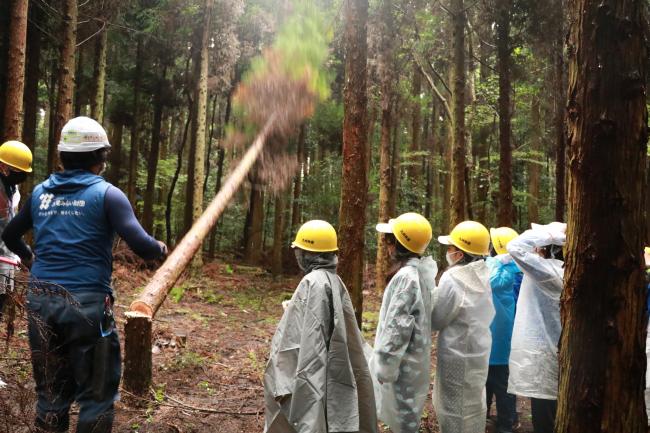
{"points": [[82, 134]]}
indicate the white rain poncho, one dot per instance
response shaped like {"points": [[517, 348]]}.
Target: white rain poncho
{"points": [[401, 355], [533, 356], [463, 313], [317, 379]]}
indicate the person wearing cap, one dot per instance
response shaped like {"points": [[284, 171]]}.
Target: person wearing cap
{"points": [[533, 364], [15, 165], [75, 215], [316, 379], [401, 357], [462, 315], [505, 279]]}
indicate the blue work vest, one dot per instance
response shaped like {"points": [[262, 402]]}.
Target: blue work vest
{"points": [[72, 237]]}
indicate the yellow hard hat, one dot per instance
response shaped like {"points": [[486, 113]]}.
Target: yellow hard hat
{"points": [[469, 236], [646, 250], [500, 238], [412, 231], [317, 236], [17, 155]]}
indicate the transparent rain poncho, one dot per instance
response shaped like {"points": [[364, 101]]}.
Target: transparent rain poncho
{"points": [[533, 354], [401, 355], [317, 378], [462, 313]]}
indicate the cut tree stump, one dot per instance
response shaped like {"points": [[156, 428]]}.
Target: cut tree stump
{"points": [[137, 354]]}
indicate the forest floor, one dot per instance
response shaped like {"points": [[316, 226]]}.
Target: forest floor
{"points": [[212, 338]]}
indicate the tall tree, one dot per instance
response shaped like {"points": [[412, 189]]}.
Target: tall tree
{"points": [[296, 216], [387, 78], [354, 187], [534, 168], [602, 360], [505, 208], [278, 232], [135, 124], [99, 75], [32, 77], [196, 163], [559, 91], [458, 77], [154, 152], [65, 78], [414, 171], [13, 114]]}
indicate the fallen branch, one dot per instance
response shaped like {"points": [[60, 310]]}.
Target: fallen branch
{"points": [[208, 410]]}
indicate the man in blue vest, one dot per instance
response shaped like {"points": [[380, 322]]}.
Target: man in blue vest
{"points": [[75, 215]]}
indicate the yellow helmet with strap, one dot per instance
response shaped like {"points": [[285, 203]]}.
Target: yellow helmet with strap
{"points": [[316, 236]]}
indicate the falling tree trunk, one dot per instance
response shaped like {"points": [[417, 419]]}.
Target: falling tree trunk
{"points": [[457, 193], [13, 114], [99, 76], [65, 78], [505, 215], [30, 99], [534, 165], [559, 126], [296, 217], [278, 232], [196, 162], [152, 163], [602, 359], [354, 187], [135, 126]]}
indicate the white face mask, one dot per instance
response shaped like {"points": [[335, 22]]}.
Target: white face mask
{"points": [[450, 260]]}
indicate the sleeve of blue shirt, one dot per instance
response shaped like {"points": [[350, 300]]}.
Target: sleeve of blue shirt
{"points": [[12, 235], [121, 217]]}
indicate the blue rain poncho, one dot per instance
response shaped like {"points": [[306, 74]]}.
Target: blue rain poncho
{"points": [[504, 278], [533, 355], [401, 355], [462, 313], [317, 378]]}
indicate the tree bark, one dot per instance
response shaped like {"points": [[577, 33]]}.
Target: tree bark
{"points": [[79, 81], [395, 172], [534, 169], [354, 187], [135, 127], [458, 77], [13, 113], [138, 363], [602, 359], [505, 208], [65, 80], [99, 76]]}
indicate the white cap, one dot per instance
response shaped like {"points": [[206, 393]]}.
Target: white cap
{"points": [[82, 134], [385, 227]]}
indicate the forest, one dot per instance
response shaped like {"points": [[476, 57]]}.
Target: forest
{"points": [[504, 112]]}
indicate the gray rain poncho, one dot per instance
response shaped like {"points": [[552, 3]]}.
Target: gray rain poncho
{"points": [[317, 379], [533, 357], [463, 314], [401, 355]]}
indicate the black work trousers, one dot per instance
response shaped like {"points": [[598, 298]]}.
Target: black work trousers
{"points": [[543, 412], [497, 388], [63, 336]]}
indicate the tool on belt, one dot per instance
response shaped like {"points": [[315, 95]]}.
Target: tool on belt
{"points": [[102, 353]]}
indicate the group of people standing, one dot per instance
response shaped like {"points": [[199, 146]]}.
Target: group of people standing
{"points": [[495, 310]]}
